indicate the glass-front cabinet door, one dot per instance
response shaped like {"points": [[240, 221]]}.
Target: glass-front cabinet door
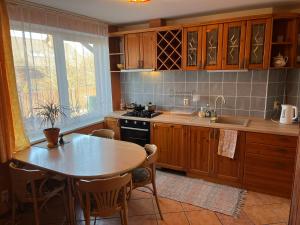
{"points": [[298, 44], [192, 48], [258, 42], [212, 46], [234, 45]]}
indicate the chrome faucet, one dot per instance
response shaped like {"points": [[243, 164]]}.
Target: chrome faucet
{"points": [[216, 101]]}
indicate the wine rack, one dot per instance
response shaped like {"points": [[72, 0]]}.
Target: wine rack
{"points": [[169, 50]]}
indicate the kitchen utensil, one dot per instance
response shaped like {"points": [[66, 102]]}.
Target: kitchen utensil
{"points": [[150, 107], [279, 61], [288, 114]]}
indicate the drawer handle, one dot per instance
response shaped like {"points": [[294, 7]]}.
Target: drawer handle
{"points": [[282, 150], [279, 165]]}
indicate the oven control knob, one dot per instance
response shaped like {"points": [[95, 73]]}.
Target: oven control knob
{"points": [[144, 123], [126, 121], [135, 122]]}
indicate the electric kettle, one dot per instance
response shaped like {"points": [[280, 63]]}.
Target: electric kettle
{"points": [[288, 114]]}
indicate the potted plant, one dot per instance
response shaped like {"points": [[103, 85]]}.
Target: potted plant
{"points": [[49, 113]]}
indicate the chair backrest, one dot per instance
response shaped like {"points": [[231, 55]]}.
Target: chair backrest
{"points": [[21, 178], [152, 154], [102, 197], [104, 133]]}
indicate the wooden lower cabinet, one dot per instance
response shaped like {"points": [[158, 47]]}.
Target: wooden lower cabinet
{"points": [[269, 163], [224, 169], [199, 157], [171, 143], [113, 124]]}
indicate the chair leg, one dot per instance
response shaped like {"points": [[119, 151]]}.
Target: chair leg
{"points": [[156, 199], [36, 213], [13, 210], [122, 216]]}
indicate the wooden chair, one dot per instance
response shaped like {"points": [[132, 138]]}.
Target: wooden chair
{"points": [[35, 187], [104, 133], [104, 197], [145, 175]]}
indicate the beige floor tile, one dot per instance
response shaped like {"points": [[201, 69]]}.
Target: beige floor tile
{"points": [[229, 220], [140, 207], [202, 217], [266, 214], [173, 219], [189, 207], [168, 205], [254, 198]]}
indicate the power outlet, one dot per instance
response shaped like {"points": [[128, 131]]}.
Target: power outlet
{"points": [[4, 196], [185, 101], [276, 105]]}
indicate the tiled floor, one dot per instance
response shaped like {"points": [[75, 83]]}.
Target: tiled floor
{"points": [[259, 209]]}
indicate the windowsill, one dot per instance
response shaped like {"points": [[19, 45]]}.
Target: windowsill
{"points": [[68, 131]]}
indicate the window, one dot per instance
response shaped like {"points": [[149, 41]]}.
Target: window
{"points": [[69, 68]]}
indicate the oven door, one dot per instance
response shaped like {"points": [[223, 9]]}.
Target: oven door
{"points": [[139, 136]]}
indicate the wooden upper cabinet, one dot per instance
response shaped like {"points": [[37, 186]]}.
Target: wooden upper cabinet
{"points": [[199, 157], [191, 54], [297, 55], [132, 51], [212, 46], [140, 50], [147, 50], [171, 144], [225, 169], [258, 42], [234, 45]]}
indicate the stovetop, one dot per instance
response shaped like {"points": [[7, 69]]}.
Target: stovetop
{"points": [[142, 114]]}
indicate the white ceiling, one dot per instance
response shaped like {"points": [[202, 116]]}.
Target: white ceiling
{"points": [[122, 12]]}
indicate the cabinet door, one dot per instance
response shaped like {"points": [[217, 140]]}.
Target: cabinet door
{"points": [[234, 45], [199, 153], [298, 44], [212, 46], [162, 138], [178, 149], [192, 38], [132, 51], [113, 124], [225, 169], [258, 41], [147, 50]]}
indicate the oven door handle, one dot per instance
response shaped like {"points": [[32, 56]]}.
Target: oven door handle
{"points": [[131, 128]]}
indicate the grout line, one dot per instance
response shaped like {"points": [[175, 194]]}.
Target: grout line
{"points": [[251, 89], [266, 94]]}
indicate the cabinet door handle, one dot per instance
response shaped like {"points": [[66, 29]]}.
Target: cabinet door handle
{"points": [[154, 125]]}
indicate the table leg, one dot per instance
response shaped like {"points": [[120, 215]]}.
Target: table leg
{"points": [[71, 202]]}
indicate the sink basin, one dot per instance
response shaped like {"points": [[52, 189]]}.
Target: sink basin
{"points": [[232, 121]]}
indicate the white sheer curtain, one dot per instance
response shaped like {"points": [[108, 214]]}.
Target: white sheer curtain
{"points": [[67, 67]]}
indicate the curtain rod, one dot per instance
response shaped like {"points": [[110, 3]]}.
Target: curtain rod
{"points": [[50, 8]]}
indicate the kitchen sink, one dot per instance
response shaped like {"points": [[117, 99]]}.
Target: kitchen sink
{"points": [[232, 121]]}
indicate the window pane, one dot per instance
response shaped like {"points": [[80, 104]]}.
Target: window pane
{"points": [[35, 74], [81, 78]]}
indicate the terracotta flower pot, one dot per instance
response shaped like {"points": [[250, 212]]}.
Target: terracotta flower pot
{"points": [[52, 135]]}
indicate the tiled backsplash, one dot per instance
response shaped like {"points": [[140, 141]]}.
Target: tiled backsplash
{"points": [[293, 87], [245, 92]]}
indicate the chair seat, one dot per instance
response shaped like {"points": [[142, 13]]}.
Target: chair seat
{"points": [[140, 175]]}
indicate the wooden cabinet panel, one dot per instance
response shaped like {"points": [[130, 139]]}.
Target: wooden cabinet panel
{"points": [[212, 46], [269, 174], [234, 45], [132, 51], [171, 142], [258, 42], [226, 169], [297, 50], [199, 159], [271, 139], [113, 124], [191, 54], [147, 50]]}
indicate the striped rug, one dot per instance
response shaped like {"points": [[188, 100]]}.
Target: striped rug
{"points": [[216, 197]]}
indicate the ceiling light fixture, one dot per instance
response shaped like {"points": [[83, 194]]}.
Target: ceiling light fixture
{"points": [[138, 1]]}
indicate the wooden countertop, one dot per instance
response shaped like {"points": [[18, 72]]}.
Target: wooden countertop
{"points": [[85, 156], [255, 124]]}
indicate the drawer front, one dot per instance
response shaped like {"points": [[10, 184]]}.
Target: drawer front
{"points": [[268, 174], [269, 150], [271, 139]]}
